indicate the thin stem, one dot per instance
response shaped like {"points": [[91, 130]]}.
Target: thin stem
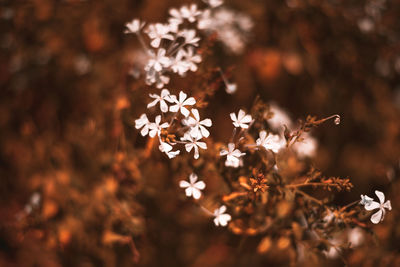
{"points": [[307, 184], [349, 205], [319, 202], [206, 210], [144, 46]]}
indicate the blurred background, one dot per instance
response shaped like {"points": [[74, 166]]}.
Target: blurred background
{"points": [[74, 188]]}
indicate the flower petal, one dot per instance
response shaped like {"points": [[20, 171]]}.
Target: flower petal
{"points": [[193, 178], [381, 196], [377, 217], [387, 205], [200, 185], [373, 205], [189, 191], [196, 193], [185, 112], [183, 184]]}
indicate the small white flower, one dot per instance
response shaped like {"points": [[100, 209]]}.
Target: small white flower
{"points": [[167, 149], [233, 156], [192, 187], [193, 143], [164, 96], [191, 59], [279, 118], [158, 31], [190, 13], [181, 103], [198, 127], [306, 147], [155, 127], [221, 218], [158, 62], [176, 17], [134, 26], [372, 205], [231, 88], [213, 3], [270, 141], [355, 237], [242, 120], [143, 121], [190, 37], [179, 64]]}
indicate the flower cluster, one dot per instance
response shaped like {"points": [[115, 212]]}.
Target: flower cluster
{"points": [[231, 27], [193, 128], [173, 45]]}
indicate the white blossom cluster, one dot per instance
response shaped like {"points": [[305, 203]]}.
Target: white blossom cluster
{"points": [[267, 140], [194, 128], [231, 27], [173, 45], [307, 147]]}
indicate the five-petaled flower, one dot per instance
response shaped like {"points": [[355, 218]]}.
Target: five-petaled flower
{"points": [[193, 143], [164, 96], [198, 127], [158, 62], [270, 141], [193, 187], [158, 31], [181, 103], [155, 127], [144, 122], [242, 120], [221, 218], [233, 156], [369, 204], [134, 26]]}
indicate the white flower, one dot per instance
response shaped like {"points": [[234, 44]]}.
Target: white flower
{"points": [[158, 62], [221, 218], [158, 31], [193, 143], [143, 121], [190, 37], [213, 3], [155, 127], [190, 13], [355, 237], [167, 149], [270, 141], [233, 156], [192, 58], [307, 147], [231, 88], [176, 17], [179, 64], [279, 118], [164, 96], [134, 26], [153, 76], [192, 187], [198, 128], [241, 120], [181, 103], [372, 205]]}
